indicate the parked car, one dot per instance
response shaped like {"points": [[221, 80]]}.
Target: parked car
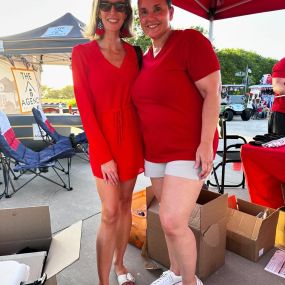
{"points": [[234, 105]]}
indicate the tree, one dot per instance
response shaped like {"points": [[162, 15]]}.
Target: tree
{"points": [[140, 38], [235, 60], [64, 93]]}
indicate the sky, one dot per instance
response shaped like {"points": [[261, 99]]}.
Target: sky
{"points": [[261, 33]]}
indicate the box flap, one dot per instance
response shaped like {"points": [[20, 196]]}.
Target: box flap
{"points": [[23, 227], [34, 260], [195, 218], [213, 208], [64, 249], [244, 224], [254, 209], [149, 195]]}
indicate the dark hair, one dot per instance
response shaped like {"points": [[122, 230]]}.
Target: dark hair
{"points": [[169, 3]]}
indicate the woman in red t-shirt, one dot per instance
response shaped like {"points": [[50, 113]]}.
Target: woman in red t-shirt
{"points": [[276, 123], [177, 96], [104, 70]]}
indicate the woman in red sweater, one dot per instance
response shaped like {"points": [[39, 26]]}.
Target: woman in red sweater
{"points": [[104, 70], [177, 96]]}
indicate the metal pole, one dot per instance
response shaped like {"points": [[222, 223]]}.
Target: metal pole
{"points": [[211, 29], [246, 78]]}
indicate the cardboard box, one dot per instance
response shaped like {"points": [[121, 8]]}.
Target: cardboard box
{"points": [[208, 222], [30, 228], [35, 261], [249, 235]]}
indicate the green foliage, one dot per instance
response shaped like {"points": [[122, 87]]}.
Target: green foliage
{"points": [[72, 102], [142, 40], [201, 30], [64, 93], [139, 39], [235, 60]]}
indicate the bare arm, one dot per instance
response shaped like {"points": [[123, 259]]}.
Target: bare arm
{"points": [[210, 89]]}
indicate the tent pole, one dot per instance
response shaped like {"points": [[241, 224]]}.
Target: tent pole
{"points": [[211, 28]]}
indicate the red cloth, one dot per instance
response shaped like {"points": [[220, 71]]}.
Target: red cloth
{"points": [[11, 139], [264, 172], [102, 93], [278, 70], [168, 102]]}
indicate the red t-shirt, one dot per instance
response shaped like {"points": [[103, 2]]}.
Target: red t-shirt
{"points": [[278, 104], [103, 96], [168, 103]]}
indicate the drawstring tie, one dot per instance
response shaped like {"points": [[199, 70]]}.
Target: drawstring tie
{"points": [[118, 116]]}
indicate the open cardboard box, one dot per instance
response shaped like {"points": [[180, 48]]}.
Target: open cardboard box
{"points": [[249, 235], [30, 228], [208, 222]]}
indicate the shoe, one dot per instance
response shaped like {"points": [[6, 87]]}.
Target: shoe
{"points": [[198, 281], [125, 278], [167, 278]]}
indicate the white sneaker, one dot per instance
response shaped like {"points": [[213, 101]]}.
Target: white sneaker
{"points": [[198, 281], [167, 278]]}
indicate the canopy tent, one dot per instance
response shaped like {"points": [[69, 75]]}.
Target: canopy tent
{"points": [[49, 44], [223, 9]]}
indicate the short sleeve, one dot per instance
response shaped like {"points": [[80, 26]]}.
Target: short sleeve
{"points": [[201, 59]]}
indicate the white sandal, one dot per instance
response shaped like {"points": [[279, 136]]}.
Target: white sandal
{"points": [[125, 278]]}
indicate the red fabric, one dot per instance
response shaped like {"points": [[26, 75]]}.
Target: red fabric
{"points": [[50, 127], [11, 139], [103, 97], [168, 102], [264, 172], [218, 9], [278, 70]]}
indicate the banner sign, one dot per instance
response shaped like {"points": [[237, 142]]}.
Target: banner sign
{"points": [[59, 31], [27, 88]]}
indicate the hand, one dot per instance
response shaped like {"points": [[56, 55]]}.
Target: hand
{"points": [[110, 172], [204, 158]]}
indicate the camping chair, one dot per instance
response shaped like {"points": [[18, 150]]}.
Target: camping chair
{"points": [[230, 153], [17, 158], [50, 135], [2, 193]]}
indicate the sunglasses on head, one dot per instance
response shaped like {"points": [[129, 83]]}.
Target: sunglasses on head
{"points": [[119, 6]]}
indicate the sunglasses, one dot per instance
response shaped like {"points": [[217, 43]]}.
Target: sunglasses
{"points": [[119, 6]]}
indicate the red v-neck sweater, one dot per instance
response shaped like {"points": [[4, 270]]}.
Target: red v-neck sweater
{"points": [[168, 103], [102, 92]]}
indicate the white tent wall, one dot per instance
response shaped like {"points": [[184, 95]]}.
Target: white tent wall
{"points": [[9, 96]]}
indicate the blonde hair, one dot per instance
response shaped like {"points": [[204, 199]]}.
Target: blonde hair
{"points": [[90, 29]]}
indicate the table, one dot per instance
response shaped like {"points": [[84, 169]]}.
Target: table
{"points": [[264, 170]]}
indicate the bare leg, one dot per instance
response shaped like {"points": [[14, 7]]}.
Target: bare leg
{"points": [[157, 184], [178, 199], [124, 225], [106, 240]]}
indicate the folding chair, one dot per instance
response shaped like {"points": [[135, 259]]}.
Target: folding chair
{"points": [[230, 153], [50, 135], [17, 158], [2, 193]]}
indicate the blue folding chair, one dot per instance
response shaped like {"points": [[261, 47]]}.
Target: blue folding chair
{"points": [[17, 158], [50, 135]]}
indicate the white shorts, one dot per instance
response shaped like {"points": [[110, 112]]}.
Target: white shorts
{"points": [[179, 168]]}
